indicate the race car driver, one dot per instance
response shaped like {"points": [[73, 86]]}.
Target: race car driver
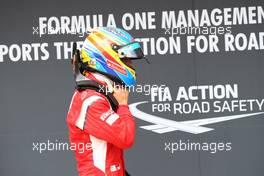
{"points": [[98, 115]]}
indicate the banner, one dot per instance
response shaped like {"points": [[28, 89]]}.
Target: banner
{"points": [[198, 105]]}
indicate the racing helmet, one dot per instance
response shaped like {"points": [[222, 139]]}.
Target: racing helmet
{"points": [[109, 51]]}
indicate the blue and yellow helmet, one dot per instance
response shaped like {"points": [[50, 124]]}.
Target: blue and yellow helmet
{"points": [[109, 51]]}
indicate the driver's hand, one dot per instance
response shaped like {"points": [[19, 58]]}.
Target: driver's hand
{"points": [[121, 94]]}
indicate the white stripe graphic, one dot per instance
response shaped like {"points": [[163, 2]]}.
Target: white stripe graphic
{"points": [[86, 103], [169, 123], [153, 127], [71, 101], [164, 130], [99, 152], [164, 125]]}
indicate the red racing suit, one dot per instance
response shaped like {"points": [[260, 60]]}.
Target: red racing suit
{"points": [[98, 134]]}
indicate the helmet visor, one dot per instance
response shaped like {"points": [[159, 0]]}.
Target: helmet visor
{"points": [[132, 51]]}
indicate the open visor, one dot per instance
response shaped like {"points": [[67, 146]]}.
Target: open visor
{"points": [[132, 51]]}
